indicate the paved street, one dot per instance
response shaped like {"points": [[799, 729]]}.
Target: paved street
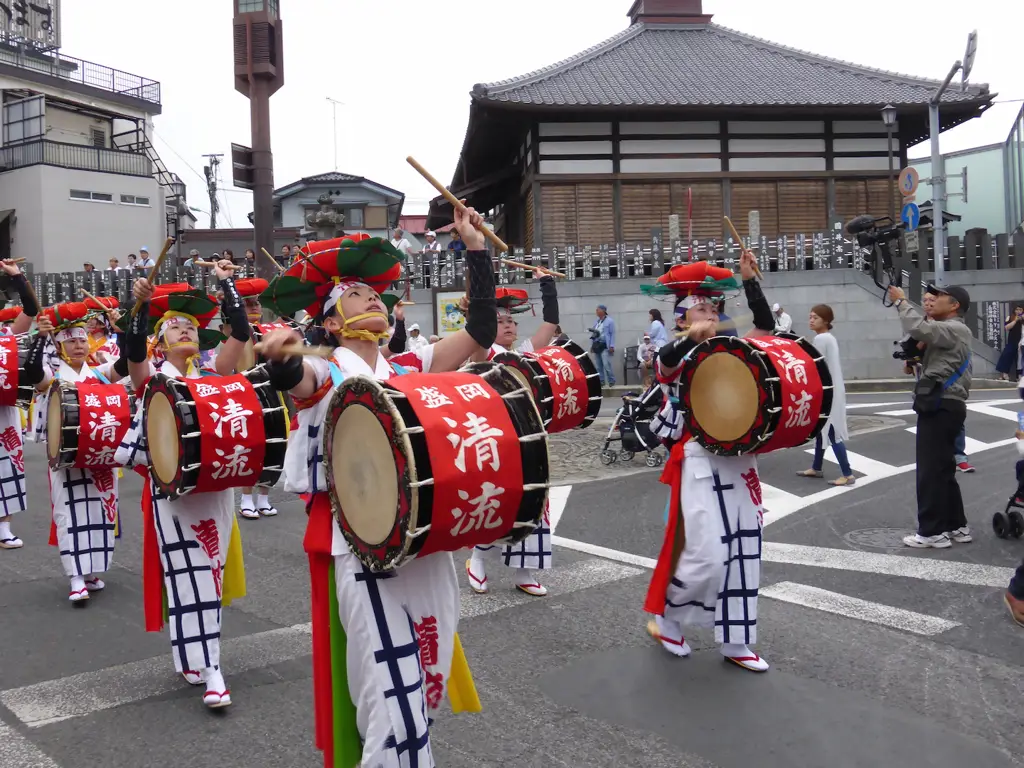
{"points": [[881, 656]]}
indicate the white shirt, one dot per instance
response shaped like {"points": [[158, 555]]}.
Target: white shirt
{"points": [[147, 263], [402, 245], [645, 353], [783, 323], [418, 342]]}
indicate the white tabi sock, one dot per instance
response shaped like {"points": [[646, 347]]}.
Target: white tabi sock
{"points": [[5, 530], [477, 561], [263, 501], [77, 583], [246, 502], [523, 576], [214, 680], [736, 650]]}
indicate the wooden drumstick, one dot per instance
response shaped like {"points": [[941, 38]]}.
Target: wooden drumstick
{"points": [[105, 308], [213, 264], [739, 240], [272, 259], [152, 272], [545, 270], [456, 203], [302, 350], [404, 303]]}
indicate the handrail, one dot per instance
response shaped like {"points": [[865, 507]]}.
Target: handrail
{"points": [[81, 157]]}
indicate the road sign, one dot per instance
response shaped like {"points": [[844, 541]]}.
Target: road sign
{"points": [[913, 242], [909, 179], [911, 216]]}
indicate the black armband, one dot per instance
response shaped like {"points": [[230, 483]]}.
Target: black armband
{"points": [[27, 296], [234, 310], [672, 354], [764, 320], [549, 300], [482, 318], [398, 339], [121, 364], [285, 375], [137, 336], [32, 370]]}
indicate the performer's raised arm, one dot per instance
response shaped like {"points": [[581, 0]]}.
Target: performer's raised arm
{"points": [[34, 373], [233, 309], [764, 320], [29, 305], [549, 308], [137, 335]]}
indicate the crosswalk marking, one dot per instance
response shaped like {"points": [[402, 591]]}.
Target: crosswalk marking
{"points": [[988, 410], [18, 752], [904, 412], [860, 463], [855, 608], [971, 446]]}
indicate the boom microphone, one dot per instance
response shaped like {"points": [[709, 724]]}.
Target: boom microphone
{"points": [[860, 224]]}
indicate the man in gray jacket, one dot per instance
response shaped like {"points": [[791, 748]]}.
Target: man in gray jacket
{"points": [[940, 399]]}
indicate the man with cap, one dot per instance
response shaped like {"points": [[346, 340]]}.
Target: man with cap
{"points": [[645, 357], [417, 340], [783, 322], [940, 399], [144, 260]]}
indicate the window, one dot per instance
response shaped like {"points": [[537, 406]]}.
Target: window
{"points": [[99, 138], [134, 200], [96, 197], [251, 6], [354, 217], [24, 120]]}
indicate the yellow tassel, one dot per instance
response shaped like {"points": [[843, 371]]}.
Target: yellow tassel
{"points": [[233, 585], [461, 689]]}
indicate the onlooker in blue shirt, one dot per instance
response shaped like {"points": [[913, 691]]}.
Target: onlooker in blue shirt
{"points": [[657, 332], [456, 243], [602, 345]]}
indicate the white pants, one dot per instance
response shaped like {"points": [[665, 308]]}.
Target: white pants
{"points": [[84, 504], [400, 627], [716, 580], [533, 552]]}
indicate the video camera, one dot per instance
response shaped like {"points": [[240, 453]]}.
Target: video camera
{"points": [[878, 234], [906, 349]]}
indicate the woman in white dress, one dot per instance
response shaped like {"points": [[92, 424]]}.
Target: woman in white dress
{"points": [[820, 321]]}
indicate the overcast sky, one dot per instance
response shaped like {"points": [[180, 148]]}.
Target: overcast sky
{"points": [[404, 69]]}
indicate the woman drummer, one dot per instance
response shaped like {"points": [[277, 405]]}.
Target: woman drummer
{"points": [[535, 551], [102, 339], [188, 543], [12, 441], [386, 617], [708, 570], [83, 502]]}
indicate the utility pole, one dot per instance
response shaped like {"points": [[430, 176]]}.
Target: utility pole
{"points": [[334, 108], [210, 172], [938, 165]]}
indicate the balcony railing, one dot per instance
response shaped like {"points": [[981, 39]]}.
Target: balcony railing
{"points": [[77, 157], [83, 72]]}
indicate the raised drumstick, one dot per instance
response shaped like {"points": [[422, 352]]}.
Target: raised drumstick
{"points": [[456, 203], [302, 350], [106, 309], [152, 272], [212, 264], [272, 259], [545, 270], [738, 239]]}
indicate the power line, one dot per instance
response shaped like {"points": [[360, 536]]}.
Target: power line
{"points": [[176, 154]]}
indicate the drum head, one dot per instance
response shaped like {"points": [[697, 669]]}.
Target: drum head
{"points": [[54, 422], [162, 436], [724, 397], [365, 477]]}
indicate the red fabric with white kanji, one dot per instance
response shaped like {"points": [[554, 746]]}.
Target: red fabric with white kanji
{"points": [[233, 438], [802, 392], [568, 386], [474, 455], [8, 371], [104, 418]]}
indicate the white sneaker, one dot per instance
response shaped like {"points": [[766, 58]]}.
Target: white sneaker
{"points": [[961, 535], [917, 541]]}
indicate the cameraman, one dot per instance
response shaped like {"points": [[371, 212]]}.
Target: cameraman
{"points": [[940, 400]]}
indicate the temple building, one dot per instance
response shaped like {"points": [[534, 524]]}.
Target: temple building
{"points": [[678, 117]]}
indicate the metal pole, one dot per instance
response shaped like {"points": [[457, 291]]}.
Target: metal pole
{"points": [[939, 179], [892, 180]]}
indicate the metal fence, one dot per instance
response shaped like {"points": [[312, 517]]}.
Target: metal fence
{"points": [[84, 72], [79, 157]]}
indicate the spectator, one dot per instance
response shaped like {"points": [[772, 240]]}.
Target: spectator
{"points": [[115, 265], [962, 464], [228, 254], [1014, 597], [145, 261], [190, 262], [645, 356], [417, 340], [89, 266], [286, 255], [657, 332], [783, 322], [434, 338], [249, 266], [940, 400], [400, 242], [456, 243], [133, 262], [820, 321], [1009, 359], [602, 345]]}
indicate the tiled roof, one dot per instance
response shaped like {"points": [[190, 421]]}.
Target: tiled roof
{"points": [[333, 177], [709, 65]]}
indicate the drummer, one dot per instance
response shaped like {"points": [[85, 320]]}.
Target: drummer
{"points": [[534, 552], [83, 502], [384, 617], [191, 546], [102, 338], [16, 321], [708, 570]]}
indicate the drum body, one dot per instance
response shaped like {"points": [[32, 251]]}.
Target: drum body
{"points": [[213, 433], [85, 423], [743, 396], [564, 383], [435, 462], [249, 358], [10, 392]]}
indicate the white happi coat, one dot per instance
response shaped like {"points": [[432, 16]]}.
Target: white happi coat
{"points": [[84, 502], [716, 580], [384, 615], [194, 532], [533, 552], [12, 456]]}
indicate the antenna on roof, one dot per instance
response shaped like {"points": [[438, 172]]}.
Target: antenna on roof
{"points": [[968, 65]]}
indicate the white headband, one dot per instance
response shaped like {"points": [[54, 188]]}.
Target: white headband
{"points": [[692, 301], [74, 332], [173, 321], [338, 291]]}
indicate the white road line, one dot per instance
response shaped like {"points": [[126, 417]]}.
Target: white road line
{"points": [[906, 566], [988, 410], [855, 608], [860, 463], [971, 446], [557, 497], [18, 752], [89, 692], [875, 405], [904, 412]]}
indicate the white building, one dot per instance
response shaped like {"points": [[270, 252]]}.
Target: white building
{"points": [[367, 206], [79, 177]]}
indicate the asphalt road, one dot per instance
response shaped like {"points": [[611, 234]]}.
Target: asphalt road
{"points": [[880, 655]]}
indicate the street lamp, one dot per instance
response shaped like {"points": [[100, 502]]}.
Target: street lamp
{"points": [[889, 118]]}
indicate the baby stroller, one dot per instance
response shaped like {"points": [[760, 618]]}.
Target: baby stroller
{"points": [[1010, 522], [632, 428]]}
